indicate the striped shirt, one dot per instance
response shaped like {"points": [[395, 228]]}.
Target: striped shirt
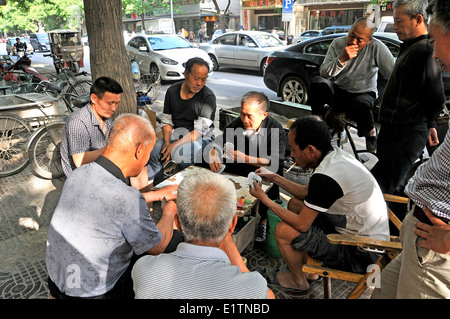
{"points": [[82, 133], [195, 272], [430, 186]]}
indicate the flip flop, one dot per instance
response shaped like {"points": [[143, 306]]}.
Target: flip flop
{"points": [[273, 280]]}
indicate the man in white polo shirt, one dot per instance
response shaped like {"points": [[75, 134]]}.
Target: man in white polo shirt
{"points": [[342, 196]]}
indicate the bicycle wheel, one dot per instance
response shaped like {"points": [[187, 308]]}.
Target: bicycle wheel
{"points": [[43, 151], [80, 88], [14, 134], [149, 85]]}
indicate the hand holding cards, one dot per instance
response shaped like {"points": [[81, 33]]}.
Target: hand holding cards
{"points": [[253, 177]]}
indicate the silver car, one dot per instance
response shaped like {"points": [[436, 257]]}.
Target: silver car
{"points": [[164, 53], [242, 49]]}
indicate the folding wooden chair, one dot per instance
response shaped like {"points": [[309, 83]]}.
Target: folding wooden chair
{"points": [[391, 249]]}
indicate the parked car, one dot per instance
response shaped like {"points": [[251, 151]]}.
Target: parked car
{"points": [[335, 29], [10, 46], [320, 33], [84, 39], [164, 53], [219, 32], [305, 36], [39, 42], [289, 72], [386, 25], [242, 49]]}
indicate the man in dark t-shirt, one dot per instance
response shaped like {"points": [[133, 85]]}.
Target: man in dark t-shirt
{"points": [[187, 121], [255, 140]]}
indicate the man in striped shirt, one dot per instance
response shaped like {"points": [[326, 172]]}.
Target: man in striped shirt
{"points": [[208, 263], [422, 270]]}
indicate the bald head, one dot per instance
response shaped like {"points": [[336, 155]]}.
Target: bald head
{"points": [[129, 131]]}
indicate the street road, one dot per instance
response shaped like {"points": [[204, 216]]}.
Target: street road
{"points": [[228, 84]]}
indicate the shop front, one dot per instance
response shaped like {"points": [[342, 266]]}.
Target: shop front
{"points": [[262, 15]]}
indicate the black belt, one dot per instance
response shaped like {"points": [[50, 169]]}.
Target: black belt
{"points": [[421, 216]]}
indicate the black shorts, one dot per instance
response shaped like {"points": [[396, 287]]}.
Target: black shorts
{"points": [[341, 257]]}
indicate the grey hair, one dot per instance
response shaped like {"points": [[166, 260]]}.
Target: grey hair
{"points": [[206, 207], [413, 8], [439, 10], [130, 130], [256, 97]]}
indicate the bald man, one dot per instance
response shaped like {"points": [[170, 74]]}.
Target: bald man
{"points": [[100, 222]]}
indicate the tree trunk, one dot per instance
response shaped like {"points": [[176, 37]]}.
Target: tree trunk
{"points": [[108, 55]]}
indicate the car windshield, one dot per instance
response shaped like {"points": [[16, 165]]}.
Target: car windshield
{"points": [[42, 37], [168, 43], [268, 40]]}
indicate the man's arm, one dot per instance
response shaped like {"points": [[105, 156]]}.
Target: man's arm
{"points": [[434, 99], [87, 157], [384, 59], [331, 65], [301, 222], [296, 190], [229, 247], [165, 226]]}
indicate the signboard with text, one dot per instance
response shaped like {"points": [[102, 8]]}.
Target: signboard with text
{"points": [[287, 14]]}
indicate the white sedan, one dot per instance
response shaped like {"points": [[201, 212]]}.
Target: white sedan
{"points": [[164, 53]]}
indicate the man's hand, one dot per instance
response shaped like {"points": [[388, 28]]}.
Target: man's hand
{"points": [[215, 163], [170, 192], [433, 139], [266, 175], [170, 209], [257, 191], [166, 151], [350, 51], [436, 237], [235, 156]]}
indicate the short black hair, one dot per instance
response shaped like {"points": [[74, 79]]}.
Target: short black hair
{"points": [[309, 130], [192, 61], [105, 84]]}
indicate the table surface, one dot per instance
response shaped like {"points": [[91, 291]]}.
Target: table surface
{"points": [[240, 182]]}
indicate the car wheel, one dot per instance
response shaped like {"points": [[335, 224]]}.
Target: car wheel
{"points": [[262, 67], [215, 63], [154, 71], [293, 89]]}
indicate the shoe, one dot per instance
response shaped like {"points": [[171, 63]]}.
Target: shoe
{"points": [[371, 143], [261, 232], [332, 120]]}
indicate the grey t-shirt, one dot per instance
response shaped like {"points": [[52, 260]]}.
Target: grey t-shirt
{"points": [[360, 74], [97, 225]]}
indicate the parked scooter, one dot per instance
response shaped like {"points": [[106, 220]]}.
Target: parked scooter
{"points": [[22, 64]]}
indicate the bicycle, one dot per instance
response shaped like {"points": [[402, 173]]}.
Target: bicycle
{"points": [[78, 87], [20, 145]]}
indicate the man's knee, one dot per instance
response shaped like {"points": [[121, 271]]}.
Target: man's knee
{"points": [[155, 154], [284, 233]]}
